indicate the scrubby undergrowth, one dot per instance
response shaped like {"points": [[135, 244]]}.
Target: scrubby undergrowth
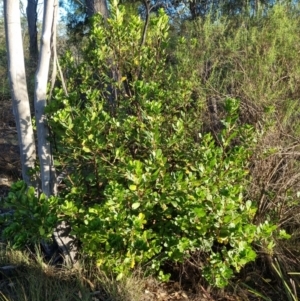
{"points": [[187, 159]]}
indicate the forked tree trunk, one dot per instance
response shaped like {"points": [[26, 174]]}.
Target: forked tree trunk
{"points": [[18, 85], [22, 109]]}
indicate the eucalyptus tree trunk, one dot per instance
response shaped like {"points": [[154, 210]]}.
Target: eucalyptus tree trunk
{"points": [[18, 85], [61, 235], [31, 12], [48, 178], [21, 107], [96, 6]]}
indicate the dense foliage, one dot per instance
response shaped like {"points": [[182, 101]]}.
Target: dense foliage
{"points": [[157, 136], [34, 218], [144, 184]]}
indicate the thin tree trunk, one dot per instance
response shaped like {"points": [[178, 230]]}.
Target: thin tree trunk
{"points": [[61, 235], [22, 109], [96, 6], [31, 12], [48, 177], [18, 85]]}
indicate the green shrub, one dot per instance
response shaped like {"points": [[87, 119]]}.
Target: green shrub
{"points": [[32, 218], [144, 185]]}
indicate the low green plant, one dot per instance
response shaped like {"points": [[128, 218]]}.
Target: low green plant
{"points": [[165, 202], [32, 218]]}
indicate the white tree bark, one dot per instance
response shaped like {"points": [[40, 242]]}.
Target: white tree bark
{"points": [[18, 85], [61, 235], [22, 109], [48, 178]]}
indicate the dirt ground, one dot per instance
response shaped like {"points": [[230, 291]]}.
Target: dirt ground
{"points": [[10, 169]]}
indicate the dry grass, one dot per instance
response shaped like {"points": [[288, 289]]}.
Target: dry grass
{"points": [[26, 276]]}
